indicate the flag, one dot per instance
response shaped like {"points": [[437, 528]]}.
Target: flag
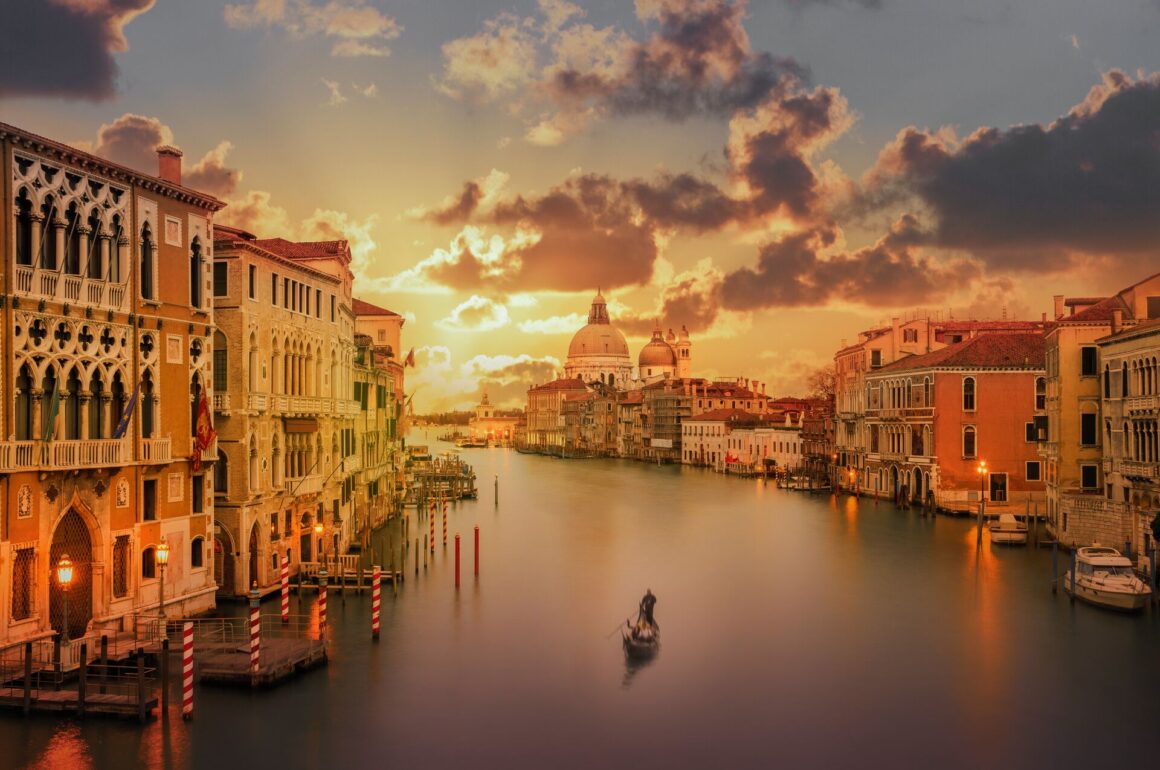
{"points": [[410, 359], [205, 432], [53, 408], [123, 425]]}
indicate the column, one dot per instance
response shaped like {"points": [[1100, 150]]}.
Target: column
{"points": [[83, 408], [36, 404], [103, 256], [82, 250], [58, 239], [106, 407]]}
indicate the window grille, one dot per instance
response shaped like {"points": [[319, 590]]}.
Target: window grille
{"points": [[121, 566], [23, 568]]}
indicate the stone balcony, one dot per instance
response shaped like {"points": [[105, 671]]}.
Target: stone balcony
{"points": [[157, 451], [352, 463], [39, 283], [64, 455], [257, 402], [1135, 469], [221, 403], [304, 485], [1142, 403]]}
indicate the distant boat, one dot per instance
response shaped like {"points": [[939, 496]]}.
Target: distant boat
{"points": [[1105, 578], [471, 443], [641, 639], [1009, 530]]}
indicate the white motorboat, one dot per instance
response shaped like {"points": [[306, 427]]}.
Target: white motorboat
{"points": [[1105, 578], [1009, 530]]}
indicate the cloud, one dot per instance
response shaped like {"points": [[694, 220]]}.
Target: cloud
{"points": [[557, 324], [66, 47], [334, 89], [212, 175], [1035, 197], [872, 5], [132, 140], [439, 384], [354, 28], [563, 74], [475, 314], [797, 270]]}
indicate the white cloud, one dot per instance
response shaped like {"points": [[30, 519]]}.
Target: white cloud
{"points": [[476, 314], [355, 28], [557, 324]]}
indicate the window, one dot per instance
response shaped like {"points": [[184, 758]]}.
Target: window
{"points": [[968, 394], [198, 494], [318, 303], [969, 441], [910, 335], [382, 335], [221, 276], [1033, 472], [121, 566], [1153, 307], [1029, 434], [221, 362], [221, 474], [1107, 381], [22, 593], [286, 292], [1040, 393], [1089, 476], [1087, 429], [145, 268], [197, 552], [332, 308], [195, 267], [998, 483], [1088, 366], [252, 289], [148, 564], [273, 288], [273, 526], [875, 358], [149, 500]]}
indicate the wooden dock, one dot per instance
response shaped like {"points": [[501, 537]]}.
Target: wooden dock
{"points": [[279, 659], [107, 704]]}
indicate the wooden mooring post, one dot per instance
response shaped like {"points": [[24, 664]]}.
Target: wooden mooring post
{"points": [[142, 702], [82, 676], [27, 678], [164, 674]]}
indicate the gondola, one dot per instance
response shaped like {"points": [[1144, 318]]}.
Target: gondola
{"points": [[642, 639]]}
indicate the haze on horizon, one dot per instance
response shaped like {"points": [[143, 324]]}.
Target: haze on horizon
{"points": [[775, 175]]}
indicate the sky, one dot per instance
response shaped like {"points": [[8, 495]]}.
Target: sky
{"points": [[776, 175]]}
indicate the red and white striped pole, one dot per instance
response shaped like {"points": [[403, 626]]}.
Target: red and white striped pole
{"points": [[376, 588], [444, 522], [477, 551], [285, 589], [322, 592], [432, 518], [457, 560], [187, 671], [255, 629]]}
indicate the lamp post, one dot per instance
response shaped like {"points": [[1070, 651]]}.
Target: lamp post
{"points": [[982, 471], [162, 556], [64, 577], [834, 471]]}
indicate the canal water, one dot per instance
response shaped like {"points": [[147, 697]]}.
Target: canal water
{"points": [[798, 631]]}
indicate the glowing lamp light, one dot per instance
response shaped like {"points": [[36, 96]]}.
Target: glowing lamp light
{"points": [[318, 528], [64, 571], [162, 554], [982, 467]]}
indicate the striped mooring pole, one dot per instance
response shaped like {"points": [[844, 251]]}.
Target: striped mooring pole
{"points": [[477, 551], [187, 671], [285, 589], [255, 629], [444, 523], [457, 560], [432, 520], [322, 599], [376, 588]]}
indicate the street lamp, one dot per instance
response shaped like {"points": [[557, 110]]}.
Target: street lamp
{"points": [[162, 556], [854, 481], [321, 555], [982, 471], [64, 576]]}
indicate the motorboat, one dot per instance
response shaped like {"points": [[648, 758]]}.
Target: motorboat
{"points": [[1104, 577], [641, 639], [1009, 530]]}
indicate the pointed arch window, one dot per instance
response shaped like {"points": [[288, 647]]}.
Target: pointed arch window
{"points": [[146, 264], [148, 405], [48, 243], [196, 262], [95, 268], [23, 228], [72, 241]]}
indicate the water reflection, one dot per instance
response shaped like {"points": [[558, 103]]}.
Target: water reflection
{"points": [[66, 748], [633, 666]]}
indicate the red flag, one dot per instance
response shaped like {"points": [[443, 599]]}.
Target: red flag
{"points": [[410, 359], [205, 432]]}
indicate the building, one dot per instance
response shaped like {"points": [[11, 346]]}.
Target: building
{"points": [[487, 424], [764, 447], [385, 328], [818, 441], [1078, 508], [545, 414], [705, 437], [931, 419], [108, 350], [598, 351], [376, 488], [664, 405], [286, 408]]}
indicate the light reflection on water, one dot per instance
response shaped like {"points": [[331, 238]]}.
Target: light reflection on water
{"points": [[799, 630]]}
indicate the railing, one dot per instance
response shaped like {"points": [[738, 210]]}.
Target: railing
{"points": [[73, 289], [305, 485], [305, 404], [221, 402], [1142, 403], [279, 403], [352, 463], [210, 452], [257, 402], [1140, 470], [157, 450], [59, 455]]}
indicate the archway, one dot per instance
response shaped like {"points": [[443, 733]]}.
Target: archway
{"points": [[252, 574], [224, 569], [916, 490], [894, 482], [72, 538]]}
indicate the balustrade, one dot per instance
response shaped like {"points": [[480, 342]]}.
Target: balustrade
{"points": [[157, 450], [221, 402], [72, 289]]}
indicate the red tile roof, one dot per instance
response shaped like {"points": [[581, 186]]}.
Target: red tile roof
{"points": [[1101, 311], [1021, 350], [722, 415], [363, 308], [304, 249], [574, 383]]}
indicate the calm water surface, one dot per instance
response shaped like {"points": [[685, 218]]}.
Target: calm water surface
{"points": [[798, 631]]}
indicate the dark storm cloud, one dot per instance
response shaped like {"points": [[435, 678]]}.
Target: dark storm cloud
{"points": [[1031, 197], [460, 209], [64, 48], [132, 140], [793, 272]]}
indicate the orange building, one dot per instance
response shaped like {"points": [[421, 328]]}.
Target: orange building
{"points": [[106, 357], [932, 419]]}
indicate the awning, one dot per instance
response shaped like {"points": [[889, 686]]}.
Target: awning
{"points": [[301, 424]]}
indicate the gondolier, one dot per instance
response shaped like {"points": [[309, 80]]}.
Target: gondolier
{"points": [[646, 607]]}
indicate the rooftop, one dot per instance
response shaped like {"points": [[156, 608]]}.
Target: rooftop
{"points": [[573, 383], [1017, 350], [363, 308]]}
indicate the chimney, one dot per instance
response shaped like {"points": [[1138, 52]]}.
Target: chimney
{"points": [[1058, 306], [1045, 318], [1117, 319], [169, 163]]}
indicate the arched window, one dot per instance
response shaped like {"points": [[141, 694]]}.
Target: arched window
{"points": [[24, 404], [72, 241], [221, 473], [969, 441], [148, 405], [118, 400], [115, 239], [197, 552], [48, 413], [253, 458], [148, 564], [968, 394], [1040, 393], [927, 392], [23, 228], [1124, 380], [145, 267], [195, 270], [195, 402], [1107, 381], [220, 363], [95, 267], [97, 406], [52, 225]]}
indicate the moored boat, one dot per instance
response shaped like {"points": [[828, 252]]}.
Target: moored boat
{"points": [[1009, 530], [1104, 577], [642, 639]]}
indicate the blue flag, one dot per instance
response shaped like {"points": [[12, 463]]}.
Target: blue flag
{"points": [[123, 425]]}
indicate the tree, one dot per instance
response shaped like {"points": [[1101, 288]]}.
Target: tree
{"points": [[822, 382]]}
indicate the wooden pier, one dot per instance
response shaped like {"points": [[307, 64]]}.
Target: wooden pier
{"points": [[279, 660]]}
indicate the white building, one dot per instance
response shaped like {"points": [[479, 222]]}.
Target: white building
{"points": [[598, 351]]}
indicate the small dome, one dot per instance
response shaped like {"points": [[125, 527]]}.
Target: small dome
{"points": [[657, 352]]}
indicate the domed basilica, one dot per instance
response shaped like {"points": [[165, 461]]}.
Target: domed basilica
{"points": [[599, 353]]}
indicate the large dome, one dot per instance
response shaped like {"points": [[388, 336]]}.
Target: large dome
{"points": [[657, 352], [599, 337]]}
